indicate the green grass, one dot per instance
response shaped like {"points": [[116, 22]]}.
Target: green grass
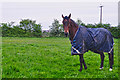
{"points": [[51, 58], [0, 57]]}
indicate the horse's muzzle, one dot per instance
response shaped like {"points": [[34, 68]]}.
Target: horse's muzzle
{"points": [[66, 34]]}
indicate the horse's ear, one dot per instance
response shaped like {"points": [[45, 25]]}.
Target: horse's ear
{"points": [[62, 16], [69, 15]]}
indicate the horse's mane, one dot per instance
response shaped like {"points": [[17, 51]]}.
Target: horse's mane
{"points": [[73, 23], [73, 28]]}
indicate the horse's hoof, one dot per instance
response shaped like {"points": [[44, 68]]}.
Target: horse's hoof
{"points": [[101, 67], [80, 70], [110, 69], [86, 67]]}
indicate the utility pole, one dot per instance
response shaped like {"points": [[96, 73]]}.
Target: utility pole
{"points": [[101, 14]]}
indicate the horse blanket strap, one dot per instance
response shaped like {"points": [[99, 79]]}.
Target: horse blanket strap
{"points": [[111, 49], [76, 50], [94, 39]]}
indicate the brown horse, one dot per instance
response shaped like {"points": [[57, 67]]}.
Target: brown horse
{"points": [[70, 27]]}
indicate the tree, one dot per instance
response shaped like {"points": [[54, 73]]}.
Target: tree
{"points": [[90, 26], [27, 25], [56, 29], [79, 22], [31, 28], [37, 30], [6, 29], [18, 31]]}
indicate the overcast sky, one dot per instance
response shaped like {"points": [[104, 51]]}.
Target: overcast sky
{"points": [[46, 12]]}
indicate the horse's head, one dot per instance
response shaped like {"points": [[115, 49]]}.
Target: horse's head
{"points": [[66, 24]]}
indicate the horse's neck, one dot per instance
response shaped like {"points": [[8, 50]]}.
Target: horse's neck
{"points": [[72, 31]]}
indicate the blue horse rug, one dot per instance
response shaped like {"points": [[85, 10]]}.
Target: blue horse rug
{"points": [[94, 39]]}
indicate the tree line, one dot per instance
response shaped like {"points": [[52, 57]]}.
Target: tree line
{"points": [[26, 28], [29, 28]]}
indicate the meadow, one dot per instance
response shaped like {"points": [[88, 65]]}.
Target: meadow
{"points": [[51, 58]]}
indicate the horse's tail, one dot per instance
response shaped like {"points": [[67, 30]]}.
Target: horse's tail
{"points": [[111, 53], [111, 56]]}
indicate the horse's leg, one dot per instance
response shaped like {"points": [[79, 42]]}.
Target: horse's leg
{"points": [[84, 64], [111, 60], [81, 61], [112, 56], [102, 59]]}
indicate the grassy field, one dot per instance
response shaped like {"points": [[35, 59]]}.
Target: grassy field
{"points": [[51, 58], [0, 57]]}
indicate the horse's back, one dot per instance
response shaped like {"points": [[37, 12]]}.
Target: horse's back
{"points": [[96, 31], [103, 39]]}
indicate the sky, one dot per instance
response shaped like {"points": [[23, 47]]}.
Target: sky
{"points": [[45, 12]]}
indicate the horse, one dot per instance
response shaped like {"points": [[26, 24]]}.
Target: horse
{"points": [[97, 40]]}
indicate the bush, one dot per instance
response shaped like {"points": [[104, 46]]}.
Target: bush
{"points": [[115, 31]]}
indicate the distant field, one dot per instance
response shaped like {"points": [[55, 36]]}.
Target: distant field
{"points": [[51, 58]]}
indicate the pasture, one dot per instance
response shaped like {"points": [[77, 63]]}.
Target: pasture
{"points": [[51, 58]]}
